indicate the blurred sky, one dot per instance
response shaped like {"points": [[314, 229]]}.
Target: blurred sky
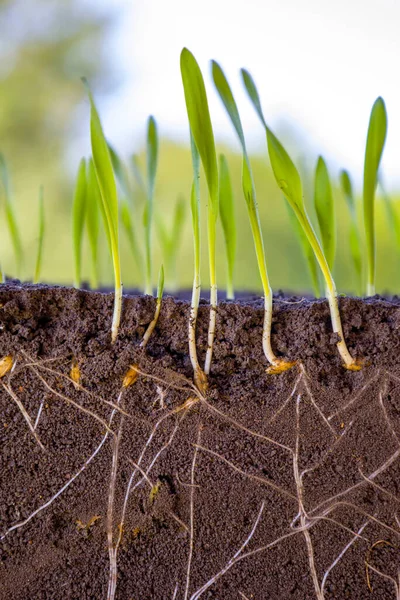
{"points": [[319, 63]]}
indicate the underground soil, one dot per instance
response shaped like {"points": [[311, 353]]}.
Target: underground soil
{"points": [[270, 487]]}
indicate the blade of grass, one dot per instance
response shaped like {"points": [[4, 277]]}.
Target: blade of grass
{"points": [[392, 215], [127, 223], [376, 137], [201, 128], [170, 242], [355, 236], [38, 266], [325, 210], [10, 216], [307, 250], [228, 221], [288, 180], [93, 201], [109, 204], [277, 364], [78, 220], [152, 159], [160, 291]]}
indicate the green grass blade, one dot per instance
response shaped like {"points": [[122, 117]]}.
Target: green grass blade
{"points": [[109, 203], [392, 215], [376, 137], [93, 202], [200, 124], [325, 210], [160, 284], [248, 187], [253, 94], [121, 173], [307, 250], [38, 266], [355, 236], [78, 220], [152, 160], [170, 240], [195, 205], [137, 173], [228, 220], [10, 216], [127, 223]]}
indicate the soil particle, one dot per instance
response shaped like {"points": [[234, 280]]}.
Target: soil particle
{"points": [[283, 486]]}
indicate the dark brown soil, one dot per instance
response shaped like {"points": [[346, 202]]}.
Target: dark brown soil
{"points": [[272, 487]]}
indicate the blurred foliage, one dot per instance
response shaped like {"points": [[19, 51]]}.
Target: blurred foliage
{"points": [[43, 57]]}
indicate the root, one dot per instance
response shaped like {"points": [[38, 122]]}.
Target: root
{"points": [[24, 413], [191, 529]]}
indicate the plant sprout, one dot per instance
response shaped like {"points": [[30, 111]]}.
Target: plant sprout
{"points": [[78, 220], [127, 223], [108, 205], [170, 241], [277, 364], [38, 266], [355, 237], [201, 128], [227, 211], [152, 159], [307, 250], [10, 216], [160, 291], [376, 137], [288, 180], [325, 209], [392, 216], [200, 377], [93, 201]]}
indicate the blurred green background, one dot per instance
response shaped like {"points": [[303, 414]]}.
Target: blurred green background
{"points": [[42, 112]]}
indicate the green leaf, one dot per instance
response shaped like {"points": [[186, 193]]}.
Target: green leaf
{"points": [[195, 204], [78, 219], [93, 202], [354, 236], [307, 250], [248, 187], [138, 174], [10, 216], [160, 285], [325, 210], [392, 215], [253, 94], [152, 159], [39, 255], [376, 137], [200, 123], [121, 173], [127, 223], [228, 219]]}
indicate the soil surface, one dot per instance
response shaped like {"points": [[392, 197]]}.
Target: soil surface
{"points": [[270, 487]]}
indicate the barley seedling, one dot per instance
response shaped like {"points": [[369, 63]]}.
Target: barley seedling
{"points": [[201, 128], [325, 210], [277, 364], [152, 159], [170, 241], [93, 201], [288, 180], [307, 250], [108, 205], [355, 237], [10, 216]]}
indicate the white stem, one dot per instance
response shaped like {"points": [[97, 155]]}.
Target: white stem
{"points": [[199, 378], [266, 335], [370, 289], [211, 328], [337, 326], [117, 313], [152, 325]]}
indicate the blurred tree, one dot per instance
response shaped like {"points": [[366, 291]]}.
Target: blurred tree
{"points": [[45, 47]]}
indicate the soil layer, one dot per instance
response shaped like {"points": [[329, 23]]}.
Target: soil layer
{"points": [[270, 487]]}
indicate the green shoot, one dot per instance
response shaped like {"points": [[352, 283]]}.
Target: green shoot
{"points": [[392, 215], [152, 159], [78, 220], [200, 378], [288, 180], [170, 241], [228, 221], [307, 250], [93, 201], [121, 173], [376, 137], [277, 364], [325, 209], [39, 255], [201, 128], [10, 216], [108, 205], [127, 224], [160, 291], [138, 174], [355, 237]]}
